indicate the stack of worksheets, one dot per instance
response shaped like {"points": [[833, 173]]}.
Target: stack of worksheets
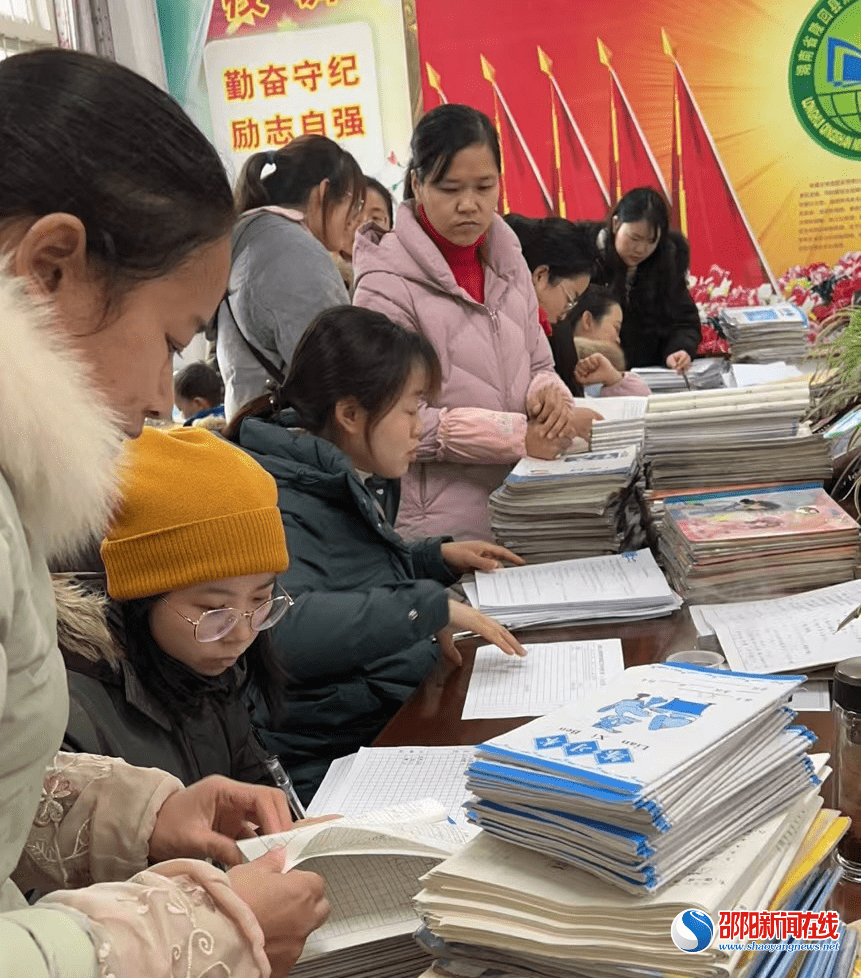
{"points": [[494, 910], [622, 424], [725, 546], [791, 634], [746, 435], [618, 586], [703, 374], [641, 780], [760, 334], [578, 506]]}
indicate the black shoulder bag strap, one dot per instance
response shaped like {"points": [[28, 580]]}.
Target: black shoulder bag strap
{"points": [[274, 372]]}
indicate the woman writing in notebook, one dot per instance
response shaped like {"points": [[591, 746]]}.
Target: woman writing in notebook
{"points": [[645, 265], [164, 686], [453, 271], [371, 612]]}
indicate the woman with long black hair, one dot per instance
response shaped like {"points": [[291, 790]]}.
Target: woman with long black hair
{"points": [[645, 264]]}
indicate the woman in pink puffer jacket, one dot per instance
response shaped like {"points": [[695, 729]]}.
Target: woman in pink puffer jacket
{"points": [[454, 271]]}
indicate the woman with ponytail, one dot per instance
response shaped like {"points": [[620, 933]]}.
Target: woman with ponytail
{"points": [[297, 204], [371, 613]]}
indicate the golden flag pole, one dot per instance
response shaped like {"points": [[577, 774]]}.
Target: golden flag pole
{"points": [[546, 66], [573, 123], [489, 73], [604, 58], [679, 83], [679, 189], [435, 83]]}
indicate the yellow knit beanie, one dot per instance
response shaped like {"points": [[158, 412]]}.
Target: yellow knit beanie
{"points": [[194, 509]]}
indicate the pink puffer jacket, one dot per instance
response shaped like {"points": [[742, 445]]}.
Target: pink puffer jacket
{"points": [[494, 355]]}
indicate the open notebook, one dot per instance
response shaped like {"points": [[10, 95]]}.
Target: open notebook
{"points": [[372, 865]]}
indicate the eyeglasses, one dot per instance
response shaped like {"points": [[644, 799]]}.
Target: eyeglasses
{"points": [[215, 624], [571, 300]]}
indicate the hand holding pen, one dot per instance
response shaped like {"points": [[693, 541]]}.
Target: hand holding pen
{"points": [[280, 777], [680, 361]]}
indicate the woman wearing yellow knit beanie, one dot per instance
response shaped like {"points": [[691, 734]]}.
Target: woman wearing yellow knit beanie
{"points": [[191, 559]]}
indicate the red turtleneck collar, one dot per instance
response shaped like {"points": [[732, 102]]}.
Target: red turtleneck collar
{"points": [[463, 260]]}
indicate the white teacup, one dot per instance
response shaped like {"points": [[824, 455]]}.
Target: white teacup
{"points": [[699, 657]]}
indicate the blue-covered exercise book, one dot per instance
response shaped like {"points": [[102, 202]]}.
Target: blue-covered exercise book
{"points": [[647, 774]]}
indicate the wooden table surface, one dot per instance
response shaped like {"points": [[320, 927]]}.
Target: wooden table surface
{"points": [[432, 714]]}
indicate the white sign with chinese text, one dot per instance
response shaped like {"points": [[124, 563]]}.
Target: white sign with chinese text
{"points": [[266, 89]]}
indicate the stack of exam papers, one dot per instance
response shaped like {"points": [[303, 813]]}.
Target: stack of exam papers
{"points": [[665, 766], [725, 546], [761, 334], [745, 435], [578, 506], [703, 374], [622, 424], [494, 910], [619, 586]]}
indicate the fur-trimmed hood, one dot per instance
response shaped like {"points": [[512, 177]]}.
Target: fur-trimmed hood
{"points": [[59, 442], [82, 626]]}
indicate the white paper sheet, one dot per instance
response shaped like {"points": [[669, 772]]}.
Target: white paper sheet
{"points": [[383, 776], [786, 634], [813, 697], [752, 374], [615, 408], [618, 577], [551, 675]]}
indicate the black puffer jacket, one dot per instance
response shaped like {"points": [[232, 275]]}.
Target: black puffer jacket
{"points": [[659, 317], [112, 712], [358, 639]]}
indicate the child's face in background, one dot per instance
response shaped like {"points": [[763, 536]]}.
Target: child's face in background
{"points": [[175, 636], [189, 406], [604, 329], [375, 210]]}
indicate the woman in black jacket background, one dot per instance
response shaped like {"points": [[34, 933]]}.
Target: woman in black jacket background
{"points": [[645, 264]]}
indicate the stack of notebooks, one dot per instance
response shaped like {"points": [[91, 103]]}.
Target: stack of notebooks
{"points": [[703, 374], [655, 501], [495, 910], [761, 334], [728, 546], [622, 424], [618, 586], [579, 506], [637, 783], [755, 434], [673, 787]]}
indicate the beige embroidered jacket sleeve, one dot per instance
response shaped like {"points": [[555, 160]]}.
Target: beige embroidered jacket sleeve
{"points": [[93, 826]]}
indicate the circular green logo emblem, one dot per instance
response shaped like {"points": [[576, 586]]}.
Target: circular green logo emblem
{"points": [[825, 76]]}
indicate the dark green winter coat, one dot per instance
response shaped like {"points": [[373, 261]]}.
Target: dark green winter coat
{"points": [[358, 639]]}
